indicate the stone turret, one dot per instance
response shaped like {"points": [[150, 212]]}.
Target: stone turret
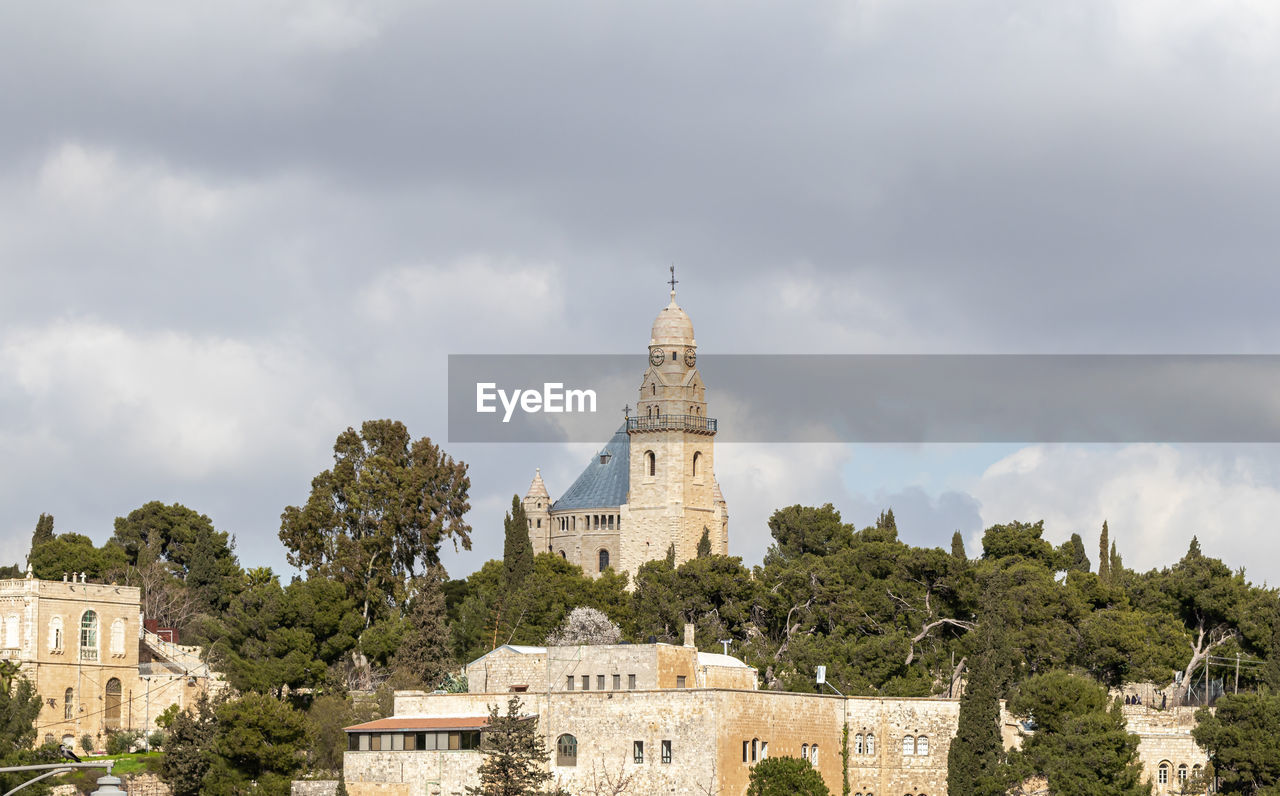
{"points": [[537, 508]]}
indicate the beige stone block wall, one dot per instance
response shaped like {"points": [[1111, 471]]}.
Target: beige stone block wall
{"points": [[784, 721], [436, 773], [503, 668], [736, 677], [1165, 737], [889, 770]]}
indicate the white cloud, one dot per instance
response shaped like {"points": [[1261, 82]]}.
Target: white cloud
{"points": [[161, 402], [1154, 497]]}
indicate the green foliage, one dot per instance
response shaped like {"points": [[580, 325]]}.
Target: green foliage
{"points": [[19, 708], [73, 552], [121, 742], [423, 656], [43, 532], [1080, 743], [1242, 738], [515, 755], [379, 515], [798, 530], [671, 554], [326, 718], [258, 746], [186, 546], [165, 720], [86, 743], [704, 543], [517, 551], [188, 754], [785, 776], [975, 761], [1104, 555], [957, 546], [1019, 540], [1072, 555]]}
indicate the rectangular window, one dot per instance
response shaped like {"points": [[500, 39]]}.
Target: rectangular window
{"points": [[353, 742], [364, 742], [631, 682], [666, 751], [568, 683], [586, 682], [375, 743], [599, 682], [680, 681], [617, 682], [745, 745], [455, 740], [637, 751], [386, 742], [397, 743]]}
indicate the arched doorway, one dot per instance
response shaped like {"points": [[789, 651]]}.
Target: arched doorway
{"points": [[111, 711]]}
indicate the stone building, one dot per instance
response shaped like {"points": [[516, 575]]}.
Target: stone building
{"points": [[652, 486], [678, 720], [96, 667]]}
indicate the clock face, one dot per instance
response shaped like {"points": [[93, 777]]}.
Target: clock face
{"points": [[689, 357], [655, 357]]}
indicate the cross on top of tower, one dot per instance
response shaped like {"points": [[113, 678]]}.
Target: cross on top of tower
{"points": [[673, 280]]}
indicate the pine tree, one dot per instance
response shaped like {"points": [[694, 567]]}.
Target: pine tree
{"points": [[43, 532], [976, 757], [1104, 559], [517, 551], [423, 654], [515, 756], [957, 546], [704, 544]]}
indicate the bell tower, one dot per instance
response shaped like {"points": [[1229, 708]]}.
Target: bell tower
{"points": [[673, 495]]}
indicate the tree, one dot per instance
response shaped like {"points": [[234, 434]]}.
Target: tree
{"points": [[976, 757], [257, 747], [517, 551], [379, 515], [1073, 555], [423, 656], [671, 554], [326, 718], [585, 625], [73, 552], [785, 776], [798, 530], [1080, 744], [187, 752], [515, 756], [704, 544], [1104, 555], [957, 546], [1241, 738], [43, 532], [19, 709]]}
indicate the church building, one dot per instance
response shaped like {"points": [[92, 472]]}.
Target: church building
{"points": [[652, 487]]}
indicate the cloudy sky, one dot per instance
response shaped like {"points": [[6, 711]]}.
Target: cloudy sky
{"points": [[228, 232]]}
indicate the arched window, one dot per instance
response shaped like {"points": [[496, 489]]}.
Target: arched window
{"points": [[68, 703], [871, 744], [804, 751], [604, 560], [111, 711], [566, 751], [1162, 774], [922, 745], [697, 460], [89, 636], [653, 389], [562, 555], [857, 744], [1195, 770], [651, 463], [755, 749], [11, 631], [117, 637], [1182, 773], [813, 755], [908, 744], [55, 634]]}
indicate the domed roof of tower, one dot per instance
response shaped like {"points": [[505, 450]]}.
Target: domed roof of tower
{"points": [[672, 326], [537, 489]]}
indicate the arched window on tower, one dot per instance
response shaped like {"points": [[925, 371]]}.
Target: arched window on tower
{"points": [[111, 709], [697, 460], [604, 560], [68, 703], [651, 463]]}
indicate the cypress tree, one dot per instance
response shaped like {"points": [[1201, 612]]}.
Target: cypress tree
{"points": [[957, 546], [704, 544], [517, 549], [43, 532], [1115, 564], [671, 555], [1104, 558], [976, 757], [1077, 559], [515, 756], [423, 654]]}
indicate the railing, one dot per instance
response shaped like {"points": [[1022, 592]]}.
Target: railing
{"points": [[88, 654], [695, 423]]}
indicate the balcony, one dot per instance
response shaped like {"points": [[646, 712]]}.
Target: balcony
{"points": [[88, 654], [693, 423]]}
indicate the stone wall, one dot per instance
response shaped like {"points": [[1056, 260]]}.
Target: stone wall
{"points": [[1165, 738], [313, 787]]}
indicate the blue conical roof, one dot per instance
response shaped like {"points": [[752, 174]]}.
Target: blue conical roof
{"points": [[605, 481]]}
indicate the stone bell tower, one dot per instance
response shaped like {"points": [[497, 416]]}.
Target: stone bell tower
{"points": [[673, 495]]}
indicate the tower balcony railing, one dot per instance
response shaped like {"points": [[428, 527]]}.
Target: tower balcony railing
{"points": [[694, 423]]}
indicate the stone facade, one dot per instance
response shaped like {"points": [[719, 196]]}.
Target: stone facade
{"points": [[683, 721], [653, 486], [84, 647]]}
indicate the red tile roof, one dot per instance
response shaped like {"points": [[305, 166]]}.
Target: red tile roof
{"points": [[400, 723]]}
